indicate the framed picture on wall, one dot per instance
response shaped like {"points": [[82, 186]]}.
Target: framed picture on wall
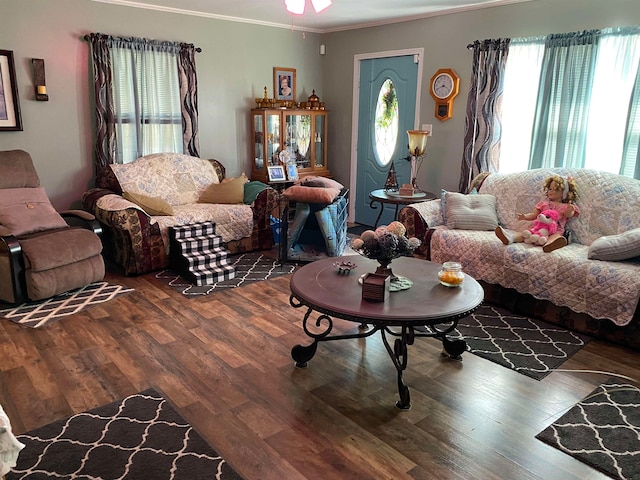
{"points": [[284, 83], [10, 119], [276, 173]]}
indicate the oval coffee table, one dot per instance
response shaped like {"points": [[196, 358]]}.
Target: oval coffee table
{"points": [[428, 309]]}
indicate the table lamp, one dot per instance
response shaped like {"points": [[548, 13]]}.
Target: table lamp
{"points": [[417, 147]]}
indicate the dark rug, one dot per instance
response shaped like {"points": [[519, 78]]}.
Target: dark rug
{"points": [[37, 314], [250, 267], [526, 345], [139, 437], [358, 229], [602, 430]]}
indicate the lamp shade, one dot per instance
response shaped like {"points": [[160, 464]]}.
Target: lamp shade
{"points": [[417, 141]]}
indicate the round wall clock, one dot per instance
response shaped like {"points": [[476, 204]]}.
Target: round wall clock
{"points": [[444, 88]]}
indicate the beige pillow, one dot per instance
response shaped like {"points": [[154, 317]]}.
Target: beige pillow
{"points": [[616, 247], [154, 206], [229, 191], [470, 212], [28, 210]]}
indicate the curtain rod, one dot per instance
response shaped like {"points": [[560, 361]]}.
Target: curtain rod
{"points": [[197, 49]]}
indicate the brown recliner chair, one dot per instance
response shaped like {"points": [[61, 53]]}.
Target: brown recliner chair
{"points": [[42, 252]]}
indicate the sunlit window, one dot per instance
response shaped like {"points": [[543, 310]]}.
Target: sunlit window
{"points": [[610, 103], [386, 122]]}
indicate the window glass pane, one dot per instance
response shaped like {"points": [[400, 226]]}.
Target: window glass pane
{"points": [[386, 123]]}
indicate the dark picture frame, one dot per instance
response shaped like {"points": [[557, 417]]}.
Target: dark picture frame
{"points": [[10, 117], [281, 74]]}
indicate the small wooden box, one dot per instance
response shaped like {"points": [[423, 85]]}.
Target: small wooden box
{"points": [[406, 190], [375, 287]]}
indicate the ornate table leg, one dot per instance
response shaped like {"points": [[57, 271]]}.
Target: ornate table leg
{"points": [[399, 357], [371, 205]]}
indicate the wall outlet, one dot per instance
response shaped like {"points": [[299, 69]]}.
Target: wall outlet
{"points": [[428, 127]]}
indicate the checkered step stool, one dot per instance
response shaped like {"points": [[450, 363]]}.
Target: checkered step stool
{"points": [[197, 254]]}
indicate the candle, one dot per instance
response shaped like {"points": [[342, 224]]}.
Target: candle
{"points": [[41, 89]]}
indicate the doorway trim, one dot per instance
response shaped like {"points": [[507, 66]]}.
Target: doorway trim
{"points": [[418, 54]]}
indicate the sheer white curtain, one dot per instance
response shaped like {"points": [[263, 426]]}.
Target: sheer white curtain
{"points": [[521, 80], [615, 75], [612, 103], [147, 98]]}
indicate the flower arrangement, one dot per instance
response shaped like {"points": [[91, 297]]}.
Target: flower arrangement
{"points": [[385, 243]]}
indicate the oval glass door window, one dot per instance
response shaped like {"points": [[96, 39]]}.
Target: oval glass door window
{"points": [[386, 123]]}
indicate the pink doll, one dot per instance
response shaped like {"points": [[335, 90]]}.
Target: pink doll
{"points": [[544, 226], [560, 193]]}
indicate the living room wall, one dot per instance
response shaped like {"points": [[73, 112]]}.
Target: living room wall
{"points": [[237, 62], [445, 39], [235, 65]]}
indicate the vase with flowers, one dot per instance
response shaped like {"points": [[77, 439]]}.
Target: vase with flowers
{"points": [[384, 244]]}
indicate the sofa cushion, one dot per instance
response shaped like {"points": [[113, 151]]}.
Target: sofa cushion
{"points": [[71, 245], [151, 205], [616, 247], [302, 193], [470, 212], [28, 210], [317, 181], [231, 190], [179, 179]]}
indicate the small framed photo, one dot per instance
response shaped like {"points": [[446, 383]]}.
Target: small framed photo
{"points": [[292, 171], [276, 173], [10, 119], [284, 83]]}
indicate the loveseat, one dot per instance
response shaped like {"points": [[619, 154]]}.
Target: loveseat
{"points": [[166, 190], [591, 285]]}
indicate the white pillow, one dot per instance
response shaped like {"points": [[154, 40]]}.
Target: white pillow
{"points": [[616, 247], [470, 212]]}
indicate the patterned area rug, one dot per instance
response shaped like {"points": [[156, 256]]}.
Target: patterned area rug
{"points": [[138, 437], [37, 314], [603, 430], [528, 346], [250, 267]]}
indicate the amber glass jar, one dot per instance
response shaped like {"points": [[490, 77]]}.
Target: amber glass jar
{"points": [[451, 274]]}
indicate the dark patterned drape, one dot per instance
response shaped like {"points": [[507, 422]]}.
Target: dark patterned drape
{"points": [[105, 114], [105, 147], [482, 123], [189, 98]]}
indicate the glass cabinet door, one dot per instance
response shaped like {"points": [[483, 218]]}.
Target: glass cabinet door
{"points": [[273, 138], [258, 139], [298, 131], [319, 141]]}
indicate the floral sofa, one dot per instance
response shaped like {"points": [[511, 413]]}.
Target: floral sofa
{"points": [[139, 242], [591, 285]]}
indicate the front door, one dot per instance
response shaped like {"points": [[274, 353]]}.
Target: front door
{"points": [[387, 106]]}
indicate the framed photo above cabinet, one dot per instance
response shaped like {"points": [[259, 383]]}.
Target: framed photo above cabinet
{"points": [[289, 137]]}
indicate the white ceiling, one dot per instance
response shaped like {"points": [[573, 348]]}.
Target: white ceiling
{"points": [[342, 15]]}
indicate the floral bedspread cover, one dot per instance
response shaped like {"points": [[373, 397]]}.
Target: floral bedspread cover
{"points": [[609, 204]]}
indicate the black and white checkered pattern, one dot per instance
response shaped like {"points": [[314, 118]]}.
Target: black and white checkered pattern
{"points": [[197, 253]]}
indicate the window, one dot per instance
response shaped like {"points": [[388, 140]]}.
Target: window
{"points": [[386, 122], [147, 100], [572, 101]]}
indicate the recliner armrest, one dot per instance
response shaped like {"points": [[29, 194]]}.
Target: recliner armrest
{"points": [[10, 247], [80, 218]]}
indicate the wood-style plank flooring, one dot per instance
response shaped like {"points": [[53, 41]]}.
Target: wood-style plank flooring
{"points": [[224, 361]]}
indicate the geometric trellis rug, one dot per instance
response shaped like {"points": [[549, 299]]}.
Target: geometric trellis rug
{"points": [[602, 430], [139, 437], [37, 314], [526, 345], [250, 267]]}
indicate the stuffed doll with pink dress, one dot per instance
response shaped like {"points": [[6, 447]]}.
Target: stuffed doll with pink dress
{"points": [[561, 192]]}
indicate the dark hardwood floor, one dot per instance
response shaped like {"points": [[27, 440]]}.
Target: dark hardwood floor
{"points": [[224, 361]]}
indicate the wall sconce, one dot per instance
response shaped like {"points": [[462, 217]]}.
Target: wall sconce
{"points": [[39, 80]]}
